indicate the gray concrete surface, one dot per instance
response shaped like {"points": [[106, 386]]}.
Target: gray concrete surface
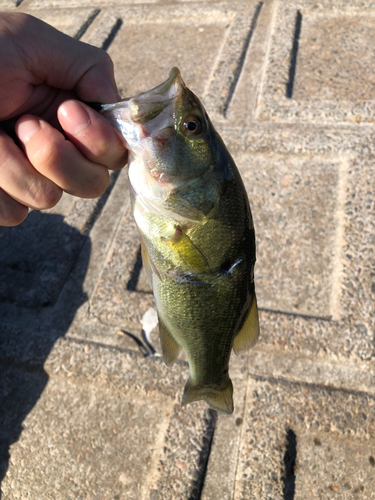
{"points": [[86, 410]]}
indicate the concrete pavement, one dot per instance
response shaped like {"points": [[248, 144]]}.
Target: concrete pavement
{"points": [[88, 410]]}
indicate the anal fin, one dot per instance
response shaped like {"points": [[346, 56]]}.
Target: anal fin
{"points": [[169, 347], [146, 263], [248, 336]]}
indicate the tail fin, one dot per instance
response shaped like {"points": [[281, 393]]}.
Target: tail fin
{"points": [[218, 399]]}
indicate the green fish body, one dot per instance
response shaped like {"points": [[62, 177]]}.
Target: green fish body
{"points": [[197, 234]]}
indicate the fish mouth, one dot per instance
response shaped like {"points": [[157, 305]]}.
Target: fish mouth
{"points": [[148, 105], [149, 114], [154, 111]]}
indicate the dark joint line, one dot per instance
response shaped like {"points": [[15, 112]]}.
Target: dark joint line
{"points": [[112, 35], [100, 204], [238, 70], [82, 30], [295, 315], [204, 456], [293, 57], [136, 271], [289, 478], [314, 386]]}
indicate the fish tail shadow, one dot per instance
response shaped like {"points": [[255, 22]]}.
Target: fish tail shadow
{"points": [[218, 399]]}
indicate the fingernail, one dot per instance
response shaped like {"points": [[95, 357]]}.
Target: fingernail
{"points": [[75, 118], [27, 128]]}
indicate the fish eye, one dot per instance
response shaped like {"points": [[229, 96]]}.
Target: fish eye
{"points": [[193, 125]]}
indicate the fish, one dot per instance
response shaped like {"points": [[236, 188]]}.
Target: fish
{"points": [[197, 234]]}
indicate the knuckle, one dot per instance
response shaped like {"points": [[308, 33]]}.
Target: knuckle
{"points": [[48, 154], [52, 196], [108, 151], [106, 60], [44, 194], [13, 217], [101, 148], [98, 183], [120, 162], [102, 59]]}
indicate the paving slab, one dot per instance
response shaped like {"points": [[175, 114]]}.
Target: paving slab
{"points": [[71, 22], [289, 88], [299, 441], [209, 61], [298, 209], [39, 5], [108, 429], [8, 4], [334, 55], [306, 82], [34, 270]]}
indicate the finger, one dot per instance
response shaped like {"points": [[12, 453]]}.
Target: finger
{"points": [[59, 160], [61, 61], [21, 181], [97, 83], [12, 212], [92, 134]]}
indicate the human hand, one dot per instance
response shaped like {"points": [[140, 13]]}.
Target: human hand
{"points": [[41, 71]]}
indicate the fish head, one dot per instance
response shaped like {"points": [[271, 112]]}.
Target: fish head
{"points": [[169, 126], [170, 138]]}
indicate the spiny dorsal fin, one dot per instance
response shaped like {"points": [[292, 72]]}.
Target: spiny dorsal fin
{"points": [[248, 336], [218, 399], [169, 347]]}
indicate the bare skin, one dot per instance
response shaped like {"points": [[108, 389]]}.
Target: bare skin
{"points": [[44, 76]]}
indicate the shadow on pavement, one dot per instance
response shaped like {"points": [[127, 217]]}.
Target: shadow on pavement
{"points": [[36, 259], [290, 457]]}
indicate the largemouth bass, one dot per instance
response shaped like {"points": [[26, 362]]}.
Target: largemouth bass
{"points": [[197, 234]]}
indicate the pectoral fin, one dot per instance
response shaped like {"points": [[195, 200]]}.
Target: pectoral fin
{"points": [[169, 347], [248, 336], [187, 251]]}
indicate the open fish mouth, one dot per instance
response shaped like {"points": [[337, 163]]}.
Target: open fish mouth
{"points": [[152, 112], [147, 106]]}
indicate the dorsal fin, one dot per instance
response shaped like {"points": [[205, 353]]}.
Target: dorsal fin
{"points": [[248, 336]]}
